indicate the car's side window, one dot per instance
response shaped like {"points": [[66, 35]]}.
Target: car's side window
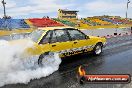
{"points": [[76, 35], [46, 38], [59, 36], [53, 38]]}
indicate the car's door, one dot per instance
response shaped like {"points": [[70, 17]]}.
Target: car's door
{"points": [[80, 41], [60, 41]]}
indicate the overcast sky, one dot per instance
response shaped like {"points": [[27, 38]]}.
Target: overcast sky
{"points": [[40, 8]]}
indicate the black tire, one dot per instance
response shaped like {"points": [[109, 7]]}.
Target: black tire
{"points": [[42, 57], [98, 49]]}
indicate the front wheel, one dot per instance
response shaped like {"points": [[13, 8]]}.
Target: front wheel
{"points": [[97, 49]]}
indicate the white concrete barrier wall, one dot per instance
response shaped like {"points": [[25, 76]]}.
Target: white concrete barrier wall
{"points": [[107, 32]]}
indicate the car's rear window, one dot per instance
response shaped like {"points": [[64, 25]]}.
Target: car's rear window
{"points": [[35, 35]]}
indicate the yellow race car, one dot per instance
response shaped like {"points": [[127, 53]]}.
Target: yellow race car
{"points": [[66, 41]]}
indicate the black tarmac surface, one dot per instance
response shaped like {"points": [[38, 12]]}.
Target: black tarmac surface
{"points": [[115, 59]]}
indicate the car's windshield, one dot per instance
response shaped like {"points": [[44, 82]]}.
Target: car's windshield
{"points": [[35, 35]]}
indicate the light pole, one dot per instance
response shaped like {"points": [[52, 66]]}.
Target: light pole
{"points": [[128, 1], [3, 2]]}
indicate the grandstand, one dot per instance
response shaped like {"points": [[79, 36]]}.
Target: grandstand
{"points": [[98, 21], [83, 23], [13, 24], [117, 20], [66, 22], [44, 22]]}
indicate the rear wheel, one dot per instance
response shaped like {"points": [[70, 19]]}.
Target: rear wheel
{"points": [[97, 49], [45, 59]]}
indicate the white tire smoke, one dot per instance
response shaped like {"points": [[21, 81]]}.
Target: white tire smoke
{"points": [[14, 69]]}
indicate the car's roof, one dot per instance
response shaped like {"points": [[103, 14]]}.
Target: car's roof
{"points": [[52, 28]]}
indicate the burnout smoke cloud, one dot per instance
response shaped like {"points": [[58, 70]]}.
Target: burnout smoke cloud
{"points": [[15, 69]]}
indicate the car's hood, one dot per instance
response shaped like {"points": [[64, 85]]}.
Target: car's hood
{"points": [[98, 38]]}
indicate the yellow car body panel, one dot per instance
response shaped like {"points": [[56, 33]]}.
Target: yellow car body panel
{"points": [[61, 46], [38, 49]]}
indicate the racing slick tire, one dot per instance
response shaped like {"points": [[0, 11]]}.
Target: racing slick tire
{"points": [[98, 49], [45, 59]]}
